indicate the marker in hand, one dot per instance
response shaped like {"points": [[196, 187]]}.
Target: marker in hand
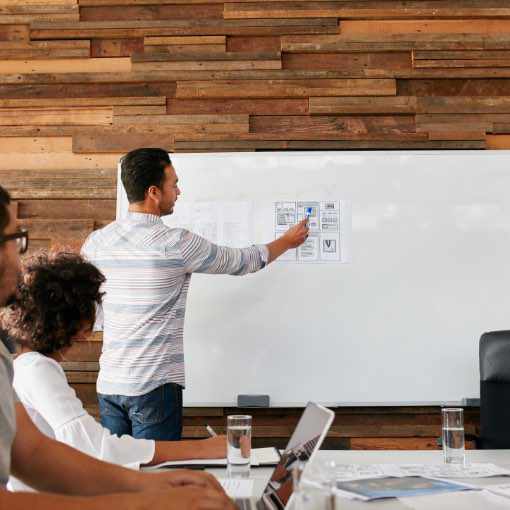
{"points": [[210, 431], [308, 213]]}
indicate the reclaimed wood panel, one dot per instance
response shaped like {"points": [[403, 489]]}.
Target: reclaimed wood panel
{"points": [[189, 125], [252, 44], [79, 89], [462, 105], [78, 116], [156, 11], [498, 141], [252, 145], [125, 29], [139, 110], [363, 105], [84, 351], [67, 102], [296, 127], [76, 65], [68, 209], [108, 48], [416, 9], [14, 32], [194, 51], [171, 61], [394, 61], [437, 26], [285, 88], [394, 41], [118, 83], [57, 229], [185, 40], [121, 140], [44, 50], [394, 443], [453, 87], [238, 106], [56, 161]]}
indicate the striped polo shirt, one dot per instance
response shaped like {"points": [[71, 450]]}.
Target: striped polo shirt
{"points": [[148, 267]]}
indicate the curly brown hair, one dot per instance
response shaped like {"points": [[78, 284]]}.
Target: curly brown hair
{"points": [[55, 299]]}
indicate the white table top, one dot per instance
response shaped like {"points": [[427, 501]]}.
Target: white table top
{"points": [[469, 500]]}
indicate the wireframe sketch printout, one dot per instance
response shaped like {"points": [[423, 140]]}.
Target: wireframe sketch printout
{"points": [[327, 221], [224, 223]]}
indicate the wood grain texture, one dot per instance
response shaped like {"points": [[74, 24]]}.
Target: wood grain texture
{"points": [[108, 48], [95, 209], [238, 106], [373, 41], [77, 65], [125, 29], [155, 11], [285, 88], [368, 10], [118, 139], [44, 50], [79, 116], [363, 105], [67, 102]]}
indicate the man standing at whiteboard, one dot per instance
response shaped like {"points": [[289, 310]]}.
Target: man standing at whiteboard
{"points": [[148, 267]]}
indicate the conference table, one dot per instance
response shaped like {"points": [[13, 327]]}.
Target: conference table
{"points": [[471, 500]]}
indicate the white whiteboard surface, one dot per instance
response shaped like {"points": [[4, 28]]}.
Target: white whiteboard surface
{"points": [[430, 272]]}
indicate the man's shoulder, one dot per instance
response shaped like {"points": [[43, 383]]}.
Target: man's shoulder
{"points": [[98, 236]]}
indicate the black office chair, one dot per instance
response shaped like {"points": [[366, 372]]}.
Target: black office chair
{"points": [[494, 390]]}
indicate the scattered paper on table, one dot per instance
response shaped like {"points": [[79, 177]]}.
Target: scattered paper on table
{"points": [[475, 470]]}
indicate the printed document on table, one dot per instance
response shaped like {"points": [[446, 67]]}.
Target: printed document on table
{"points": [[329, 222], [475, 470]]}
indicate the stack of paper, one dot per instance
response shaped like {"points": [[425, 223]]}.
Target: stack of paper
{"points": [[259, 457]]}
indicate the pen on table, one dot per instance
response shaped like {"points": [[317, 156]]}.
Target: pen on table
{"points": [[210, 431]]}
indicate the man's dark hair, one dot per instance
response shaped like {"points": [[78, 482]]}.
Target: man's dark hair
{"points": [[5, 200], [141, 169], [56, 298]]}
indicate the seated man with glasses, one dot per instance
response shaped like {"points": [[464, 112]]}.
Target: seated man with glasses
{"points": [[69, 479]]}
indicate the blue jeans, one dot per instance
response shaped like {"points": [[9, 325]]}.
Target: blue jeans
{"points": [[155, 415]]}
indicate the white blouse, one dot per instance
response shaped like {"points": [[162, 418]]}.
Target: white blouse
{"points": [[42, 387]]}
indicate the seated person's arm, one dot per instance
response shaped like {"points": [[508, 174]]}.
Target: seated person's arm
{"points": [[49, 465]]}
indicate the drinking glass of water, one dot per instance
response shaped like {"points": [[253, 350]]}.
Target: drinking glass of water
{"points": [[453, 435], [238, 443]]}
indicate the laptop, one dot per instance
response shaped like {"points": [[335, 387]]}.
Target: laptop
{"points": [[302, 446]]}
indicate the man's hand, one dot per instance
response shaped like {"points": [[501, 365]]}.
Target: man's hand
{"points": [[293, 238], [188, 498], [163, 481], [297, 234], [214, 447]]}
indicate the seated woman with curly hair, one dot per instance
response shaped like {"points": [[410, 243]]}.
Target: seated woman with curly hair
{"points": [[55, 306]]}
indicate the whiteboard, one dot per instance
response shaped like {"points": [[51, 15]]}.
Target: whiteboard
{"points": [[429, 272]]}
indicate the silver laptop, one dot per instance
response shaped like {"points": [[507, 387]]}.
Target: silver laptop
{"points": [[303, 444]]}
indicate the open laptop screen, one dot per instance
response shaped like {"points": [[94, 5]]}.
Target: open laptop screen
{"points": [[304, 443]]}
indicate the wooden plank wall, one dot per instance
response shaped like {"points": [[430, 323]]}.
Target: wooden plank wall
{"points": [[84, 81]]}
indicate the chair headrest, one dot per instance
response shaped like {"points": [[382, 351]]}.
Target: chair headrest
{"points": [[495, 356]]}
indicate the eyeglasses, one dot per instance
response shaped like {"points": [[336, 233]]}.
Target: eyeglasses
{"points": [[21, 238]]}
